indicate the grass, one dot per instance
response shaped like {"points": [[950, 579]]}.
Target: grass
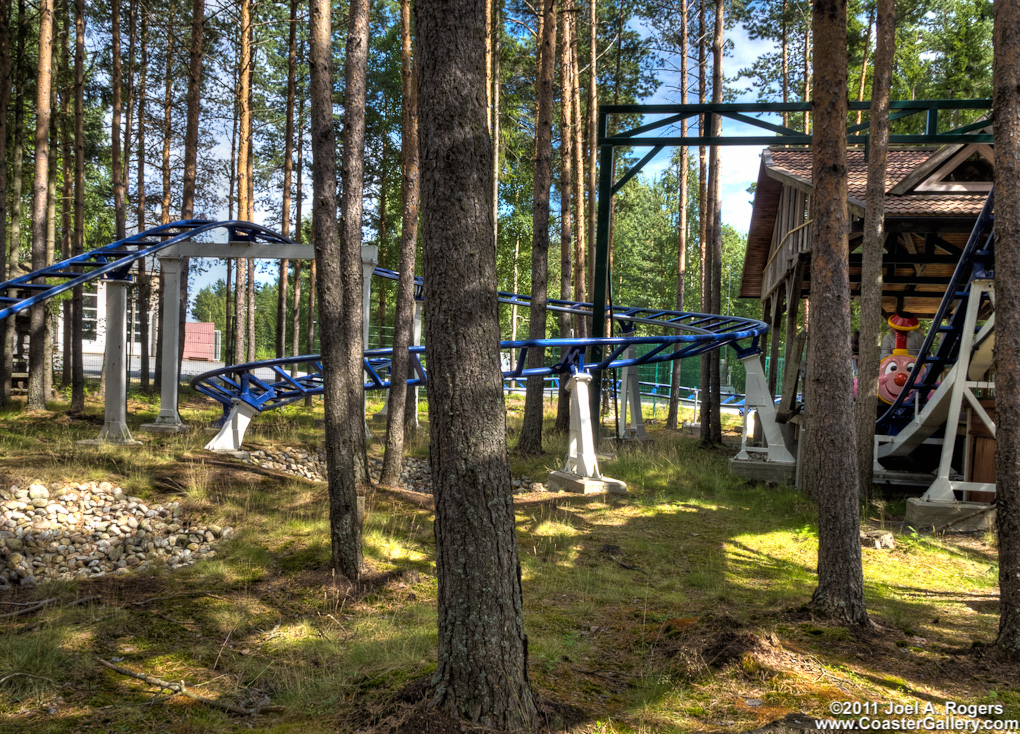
{"points": [[667, 610]]}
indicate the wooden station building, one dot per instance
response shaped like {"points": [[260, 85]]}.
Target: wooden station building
{"points": [[933, 197]]}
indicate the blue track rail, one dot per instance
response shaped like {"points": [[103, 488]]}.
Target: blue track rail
{"points": [[275, 387], [114, 261], [941, 347]]}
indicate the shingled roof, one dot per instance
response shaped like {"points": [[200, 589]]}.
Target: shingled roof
{"points": [[795, 165], [792, 167]]}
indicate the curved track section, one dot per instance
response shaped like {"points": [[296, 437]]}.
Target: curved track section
{"points": [[274, 383], [114, 261]]}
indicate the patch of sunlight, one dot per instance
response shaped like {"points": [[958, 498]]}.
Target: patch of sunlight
{"points": [[387, 642]]}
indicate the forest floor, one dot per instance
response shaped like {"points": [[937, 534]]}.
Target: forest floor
{"points": [[679, 607]]}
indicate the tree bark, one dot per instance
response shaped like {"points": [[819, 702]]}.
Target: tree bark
{"points": [[562, 424], [17, 171], [482, 673], [496, 38], [193, 115], [144, 288], [67, 181], [530, 440], [871, 250], [715, 289], [77, 365], [672, 415], [580, 222], [404, 316], [244, 182], [829, 389], [5, 103], [1006, 104], [288, 166], [704, 220], [593, 86], [117, 165], [340, 306], [37, 346]]}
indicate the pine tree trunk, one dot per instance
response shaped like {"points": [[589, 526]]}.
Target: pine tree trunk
{"points": [[1006, 103], [530, 440], [193, 115], [580, 292], [704, 213], [67, 180], [715, 289], [404, 316], [164, 214], [77, 311], [117, 165], [37, 346], [340, 306], [672, 415], [871, 249], [51, 202], [829, 389], [288, 167], [244, 183], [144, 287], [562, 424], [496, 35], [5, 103], [592, 135], [250, 311], [240, 332], [482, 672]]}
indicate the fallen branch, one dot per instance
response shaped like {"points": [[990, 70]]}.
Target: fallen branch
{"points": [[182, 690], [39, 605], [26, 675]]}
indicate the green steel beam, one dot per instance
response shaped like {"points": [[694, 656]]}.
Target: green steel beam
{"points": [[741, 112]]}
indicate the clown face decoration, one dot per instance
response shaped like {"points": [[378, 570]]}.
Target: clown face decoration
{"points": [[892, 376]]}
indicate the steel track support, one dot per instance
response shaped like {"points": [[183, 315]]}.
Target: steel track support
{"points": [[581, 469], [632, 424], [231, 434], [169, 420], [115, 429], [758, 403]]}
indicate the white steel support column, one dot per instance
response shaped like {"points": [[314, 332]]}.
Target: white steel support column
{"points": [[581, 459], [231, 435], [115, 429], [369, 260], [632, 424], [169, 420], [758, 401]]}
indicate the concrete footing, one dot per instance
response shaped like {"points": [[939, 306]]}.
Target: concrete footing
{"points": [[764, 471], [567, 482], [926, 515]]}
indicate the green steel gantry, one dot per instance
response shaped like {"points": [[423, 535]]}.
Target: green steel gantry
{"points": [[976, 131]]}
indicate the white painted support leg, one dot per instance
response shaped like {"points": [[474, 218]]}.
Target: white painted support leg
{"points": [[231, 435], [757, 396], [632, 424], [169, 420], [581, 473], [369, 259], [581, 459], [115, 429]]}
